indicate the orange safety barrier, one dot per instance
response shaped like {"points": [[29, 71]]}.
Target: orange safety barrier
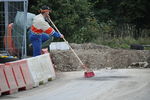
{"points": [[8, 42], [28, 79], [3, 83], [45, 50], [10, 79], [17, 74]]}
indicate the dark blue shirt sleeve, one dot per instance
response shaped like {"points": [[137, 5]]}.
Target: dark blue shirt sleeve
{"points": [[56, 34]]}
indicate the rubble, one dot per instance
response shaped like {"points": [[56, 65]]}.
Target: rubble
{"points": [[97, 57]]}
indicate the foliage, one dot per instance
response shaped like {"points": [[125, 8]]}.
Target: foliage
{"points": [[117, 23], [72, 17], [123, 42]]}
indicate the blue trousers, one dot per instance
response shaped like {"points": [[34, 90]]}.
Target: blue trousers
{"points": [[37, 40]]}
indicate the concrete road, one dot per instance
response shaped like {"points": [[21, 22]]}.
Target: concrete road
{"points": [[118, 84]]}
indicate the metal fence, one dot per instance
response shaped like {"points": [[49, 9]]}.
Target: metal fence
{"points": [[8, 11]]}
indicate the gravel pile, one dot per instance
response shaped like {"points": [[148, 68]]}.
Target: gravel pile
{"points": [[97, 57]]}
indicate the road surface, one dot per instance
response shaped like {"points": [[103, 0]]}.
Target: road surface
{"points": [[116, 84]]}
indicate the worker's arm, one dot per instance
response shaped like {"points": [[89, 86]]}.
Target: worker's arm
{"points": [[56, 34], [49, 30]]}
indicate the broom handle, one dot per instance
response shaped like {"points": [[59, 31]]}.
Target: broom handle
{"points": [[67, 43]]}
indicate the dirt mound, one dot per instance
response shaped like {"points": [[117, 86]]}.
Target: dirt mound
{"points": [[148, 61], [97, 57], [86, 46]]}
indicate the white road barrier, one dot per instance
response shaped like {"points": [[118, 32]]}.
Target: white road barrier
{"points": [[41, 69], [47, 66], [59, 46], [35, 70]]}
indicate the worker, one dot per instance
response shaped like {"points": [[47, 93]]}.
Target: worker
{"points": [[38, 29]]}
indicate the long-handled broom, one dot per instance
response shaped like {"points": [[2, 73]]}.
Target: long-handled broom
{"points": [[88, 73]]}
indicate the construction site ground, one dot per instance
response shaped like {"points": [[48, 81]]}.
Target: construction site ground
{"points": [[116, 84], [99, 56], [116, 77]]}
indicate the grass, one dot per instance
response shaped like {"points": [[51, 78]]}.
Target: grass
{"points": [[123, 42]]}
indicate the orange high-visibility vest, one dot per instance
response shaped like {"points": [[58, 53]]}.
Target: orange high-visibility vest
{"points": [[40, 25]]}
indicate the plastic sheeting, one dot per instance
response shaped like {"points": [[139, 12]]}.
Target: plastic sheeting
{"points": [[18, 28]]}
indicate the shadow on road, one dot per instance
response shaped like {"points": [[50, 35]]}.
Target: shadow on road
{"points": [[8, 97], [104, 78]]}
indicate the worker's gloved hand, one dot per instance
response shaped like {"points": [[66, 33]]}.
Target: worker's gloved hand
{"points": [[62, 36], [58, 35]]}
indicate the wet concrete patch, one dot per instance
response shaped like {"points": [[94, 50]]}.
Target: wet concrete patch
{"points": [[104, 78]]}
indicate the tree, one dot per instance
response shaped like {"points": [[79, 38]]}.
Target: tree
{"points": [[135, 12], [73, 18]]}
